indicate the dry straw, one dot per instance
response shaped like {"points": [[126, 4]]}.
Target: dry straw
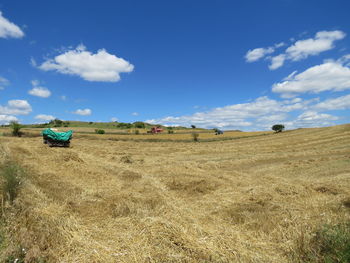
{"points": [[258, 199]]}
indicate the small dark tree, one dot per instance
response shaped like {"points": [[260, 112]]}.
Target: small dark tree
{"points": [[193, 126], [278, 127]]}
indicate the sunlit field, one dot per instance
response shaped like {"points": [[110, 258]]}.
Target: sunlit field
{"points": [[237, 197]]}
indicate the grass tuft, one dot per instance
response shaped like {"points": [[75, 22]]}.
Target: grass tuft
{"points": [[11, 175], [331, 244]]}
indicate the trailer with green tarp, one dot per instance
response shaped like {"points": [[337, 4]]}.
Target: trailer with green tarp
{"points": [[60, 139]]}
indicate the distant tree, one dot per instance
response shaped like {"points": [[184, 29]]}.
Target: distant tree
{"points": [[90, 122], [278, 127], [15, 128], [193, 126], [56, 123]]}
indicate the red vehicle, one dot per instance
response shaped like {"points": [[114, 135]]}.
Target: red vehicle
{"points": [[155, 130]]}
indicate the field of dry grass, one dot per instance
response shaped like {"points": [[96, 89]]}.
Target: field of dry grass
{"points": [[254, 199]]}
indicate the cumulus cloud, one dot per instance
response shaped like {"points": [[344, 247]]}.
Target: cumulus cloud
{"points": [[84, 112], [101, 66], [3, 82], [301, 49], [312, 119], [9, 29], [277, 61], [6, 119], [114, 119], [323, 41], [329, 76], [262, 113], [258, 53], [135, 114], [44, 117], [39, 91], [340, 103], [238, 116], [16, 107]]}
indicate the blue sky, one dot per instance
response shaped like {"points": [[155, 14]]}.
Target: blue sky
{"points": [[230, 64]]}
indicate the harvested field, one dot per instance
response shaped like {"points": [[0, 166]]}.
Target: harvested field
{"points": [[253, 199]]}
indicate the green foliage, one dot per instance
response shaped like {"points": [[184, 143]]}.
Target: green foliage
{"points": [[193, 126], [195, 136], [123, 125], [11, 174], [170, 131], [278, 127], [331, 244], [137, 132], [100, 131], [16, 129], [139, 124]]}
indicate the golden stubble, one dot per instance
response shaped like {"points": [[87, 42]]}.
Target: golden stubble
{"points": [[256, 199]]}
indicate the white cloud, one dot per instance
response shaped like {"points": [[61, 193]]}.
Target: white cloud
{"points": [[331, 76], [5, 119], [323, 41], [135, 114], [340, 103], [258, 53], [44, 117], [312, 119], [101, 66], [3, 82], [282, 44], [39, 91], [84, 112], [9, 29], [262, 113], [237, 116], [16, 107], [277, 61], [63, 97], [114, 119], [301, 49]]}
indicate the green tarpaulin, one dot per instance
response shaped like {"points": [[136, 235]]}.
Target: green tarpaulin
{"points": [[57, 136]]}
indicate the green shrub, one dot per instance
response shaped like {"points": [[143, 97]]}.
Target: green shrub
{"points": [[195, 136], [100, 131], [16, 129], [11, 174], [170, 131], [137, 132], [139, 124]]}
